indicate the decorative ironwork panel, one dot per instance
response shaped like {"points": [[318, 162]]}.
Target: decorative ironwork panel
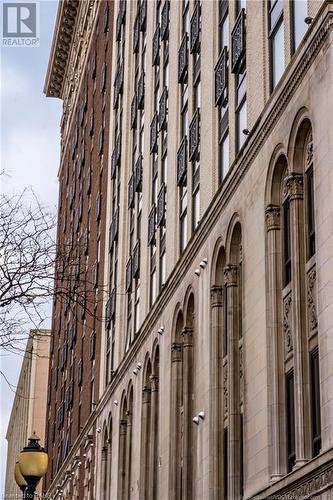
{"points": [[91, 127], [221, 78], [133, 112], [183, 59], [136, 260], [131, 192], [143, 15], [194, 135], [195, 29], [182, 162], [136, 34], [156, 47], [153, 134], [98, 206], [287, 325], [163, 109], [160, 219], [92, 345], [100, 140], [128, 283], [112, 305], [138, 175], [95, 274], [118, 85], [151, 226], [141, 92], [80, 372], [118, 27], [165, 21], [107, 314], [238, 42]]}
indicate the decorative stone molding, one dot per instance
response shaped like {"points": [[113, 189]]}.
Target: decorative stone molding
{"points": [[176, 352], [154, 383], [309, 150], [146, 393], [187, 334], [216, 296], [272, 214], [225, 391], [311, 295], [230, 275], [241, 374], [294, 186], [288, 336]]}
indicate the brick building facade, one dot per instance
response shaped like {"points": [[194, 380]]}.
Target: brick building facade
{"points": [[213, 353]]}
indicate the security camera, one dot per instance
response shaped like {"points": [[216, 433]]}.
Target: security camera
{"points": [[115, 402], [139, 366], [201, 415], [197, 272], [195, 420], [308, 20], [135, 371], [99, 430], [246, 131], [160, 330]]}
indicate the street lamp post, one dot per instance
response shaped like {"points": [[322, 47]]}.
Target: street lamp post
{"points": [[31, 467]]}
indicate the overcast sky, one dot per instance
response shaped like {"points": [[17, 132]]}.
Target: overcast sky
{"points": [[30, 140]]}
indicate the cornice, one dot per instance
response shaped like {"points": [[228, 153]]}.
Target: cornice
{"points": [[61, 46]]}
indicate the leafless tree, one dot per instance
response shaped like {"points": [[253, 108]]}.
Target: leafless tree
{"points": [[33, 269]]}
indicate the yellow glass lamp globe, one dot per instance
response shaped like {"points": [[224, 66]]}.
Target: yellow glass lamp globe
{"points": [[33, 460], [20, 481]]}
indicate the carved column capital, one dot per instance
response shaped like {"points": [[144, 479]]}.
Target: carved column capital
{"points": [[176, 352], [294, 186], [146, 391], [272, 214], [154, 383], [187, 333], [123, 427], [230, 275], [216, 296]]}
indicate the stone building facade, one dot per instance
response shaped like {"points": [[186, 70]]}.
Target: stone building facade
{"points": [[29, 406], [215, 353]]}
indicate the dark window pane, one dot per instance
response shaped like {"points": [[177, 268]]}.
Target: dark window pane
{"points": [[315, 402], [311, 215], [291, 454], [286, 243]]}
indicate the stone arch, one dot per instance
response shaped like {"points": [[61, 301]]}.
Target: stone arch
{"points": [[297, 137]]}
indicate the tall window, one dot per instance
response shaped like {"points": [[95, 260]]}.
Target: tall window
{"points": [[221, 89], [184, 120], [276, 37], [195, 45], [315, 401], [241, 109], [299, 14], [290, 416]]}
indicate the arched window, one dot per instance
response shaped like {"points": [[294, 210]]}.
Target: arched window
{"points": [[125, 446], [218, 380], [146, 433], [182, 390], [292, 311], [233, 433]]}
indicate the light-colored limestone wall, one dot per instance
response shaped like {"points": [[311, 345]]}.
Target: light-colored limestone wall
{"points": [[246, 197], [29, 407]]}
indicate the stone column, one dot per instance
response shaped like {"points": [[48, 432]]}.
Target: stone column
{"points": [[153, 454], [175, 427], [128, 457], [231, 281], [275, 345], [122, 459], [188, 453], [145, 471], [216, 418], [294, 189]]}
